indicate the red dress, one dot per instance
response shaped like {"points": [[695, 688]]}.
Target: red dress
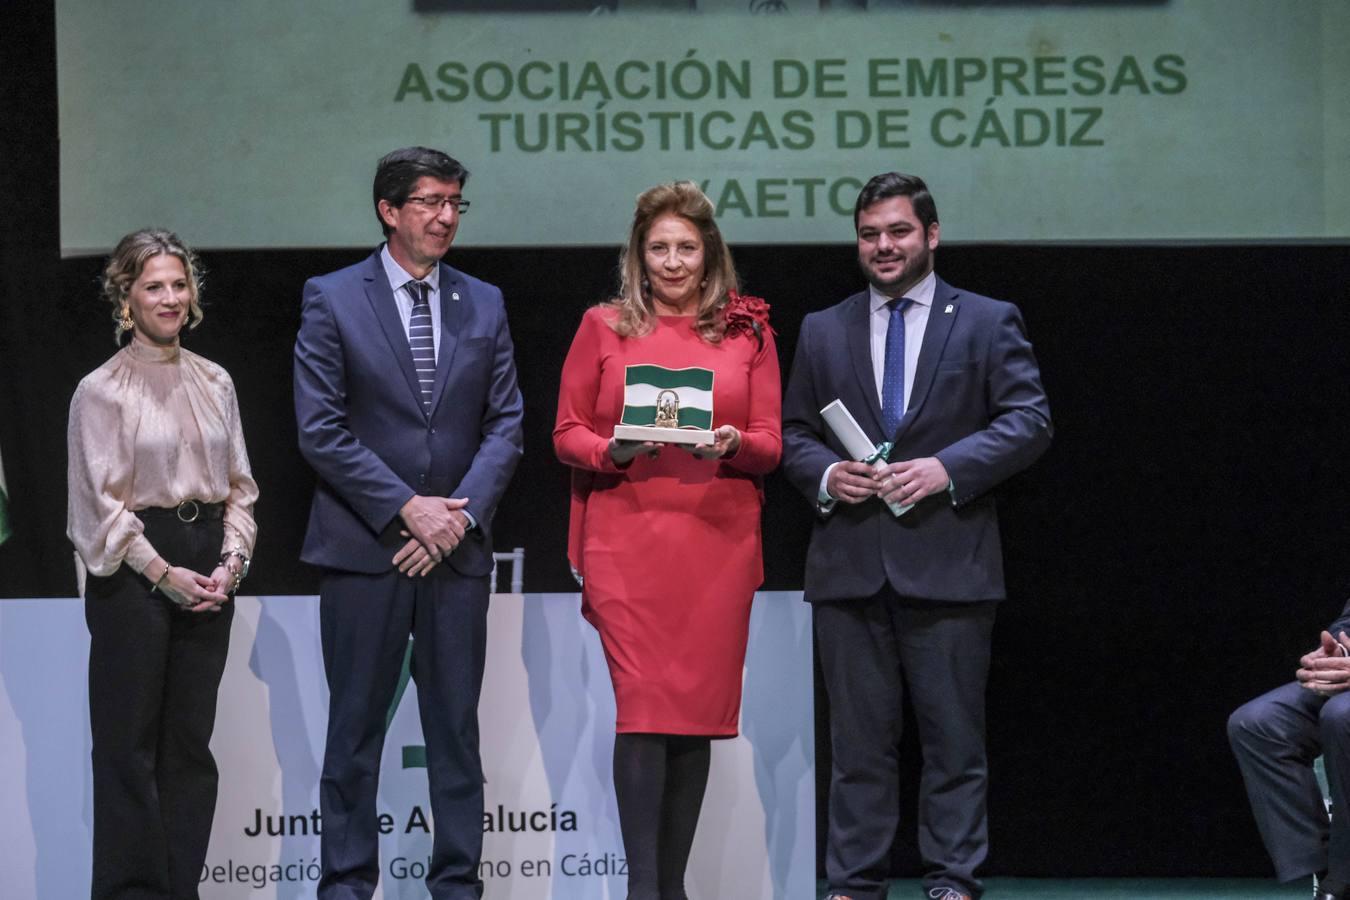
{"points": [[669, 548]]}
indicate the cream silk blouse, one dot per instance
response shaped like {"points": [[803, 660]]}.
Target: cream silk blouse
{"points": [[153, 426]]}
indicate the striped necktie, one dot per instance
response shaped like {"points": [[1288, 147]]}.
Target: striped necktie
{"points": [[420, 340], [893, 371]]}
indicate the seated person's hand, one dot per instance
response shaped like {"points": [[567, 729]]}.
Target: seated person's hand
{"points": [[1326, 670]]}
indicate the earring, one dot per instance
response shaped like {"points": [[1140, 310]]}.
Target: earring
{"points": [[703, 283], [125, 323], [646, 285]]}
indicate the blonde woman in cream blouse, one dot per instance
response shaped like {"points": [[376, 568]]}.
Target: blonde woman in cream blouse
{"points": [[161, 513]]}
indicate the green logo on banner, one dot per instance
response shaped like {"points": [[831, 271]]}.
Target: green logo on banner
{"points": [[414, 755]]}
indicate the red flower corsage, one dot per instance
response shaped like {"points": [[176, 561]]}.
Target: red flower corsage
{"points": [[746, 315]]}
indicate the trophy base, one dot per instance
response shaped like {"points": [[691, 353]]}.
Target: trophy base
{"points": [[663, 435]]}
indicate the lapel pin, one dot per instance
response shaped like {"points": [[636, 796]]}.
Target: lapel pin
{"points": [[454, 295], [948, 310]]}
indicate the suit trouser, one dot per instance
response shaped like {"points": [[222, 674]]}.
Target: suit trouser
{"points": [[365, 621], [871, 652], [154, 671], [1276, 739]]}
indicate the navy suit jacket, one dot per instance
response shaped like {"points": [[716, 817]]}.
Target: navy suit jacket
{"points": [[1342, 623], [362, 427], [976, 404]]}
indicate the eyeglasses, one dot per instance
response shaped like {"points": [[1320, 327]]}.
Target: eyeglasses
{"points": [[435, 203]]}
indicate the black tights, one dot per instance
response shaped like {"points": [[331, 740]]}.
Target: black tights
{"points": [[659, 780]]}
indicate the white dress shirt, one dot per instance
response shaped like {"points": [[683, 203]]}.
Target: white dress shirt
{"points": [[403, 295], [879, 323], [916, 323]]}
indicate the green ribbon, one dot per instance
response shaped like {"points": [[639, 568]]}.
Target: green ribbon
{"points": [[883, 450]]}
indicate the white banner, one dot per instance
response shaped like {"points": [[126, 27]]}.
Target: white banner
{"points": [[258, 124], [547, 716]]}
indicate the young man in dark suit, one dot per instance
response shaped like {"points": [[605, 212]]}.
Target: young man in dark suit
{"points": [[905, 603]]}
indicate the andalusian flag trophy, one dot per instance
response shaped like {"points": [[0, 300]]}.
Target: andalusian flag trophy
{"points": [[667, 406], [4, 506]]}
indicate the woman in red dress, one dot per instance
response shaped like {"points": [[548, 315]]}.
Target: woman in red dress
{"points": [[666, 538]]}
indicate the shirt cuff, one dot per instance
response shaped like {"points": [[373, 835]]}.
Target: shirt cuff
{"points": [[824, 502], [140, 554]]}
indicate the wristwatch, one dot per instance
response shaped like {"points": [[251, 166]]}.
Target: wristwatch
{"points": [[243, 566]]}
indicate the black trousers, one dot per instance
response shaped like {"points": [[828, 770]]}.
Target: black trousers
{"points": [[365, 622], [154, 671], [873, 651], [1276, 739]]}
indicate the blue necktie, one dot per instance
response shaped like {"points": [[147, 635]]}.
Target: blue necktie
{"points": [[421, 341], [893, 372]]}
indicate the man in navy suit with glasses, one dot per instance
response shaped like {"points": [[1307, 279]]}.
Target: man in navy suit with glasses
{"points": [[408, 409]]}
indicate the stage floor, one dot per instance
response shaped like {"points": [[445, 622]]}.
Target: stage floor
{"points": [[1121, 889]]}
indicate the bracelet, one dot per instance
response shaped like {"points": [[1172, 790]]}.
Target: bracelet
{"points": [[243, 567], [162, 575]]}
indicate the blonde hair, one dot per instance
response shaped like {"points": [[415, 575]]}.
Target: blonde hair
{"points": [[636, 315], [128, 260]]}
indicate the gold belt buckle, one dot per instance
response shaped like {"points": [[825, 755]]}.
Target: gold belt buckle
{"points": [[188, 511]]}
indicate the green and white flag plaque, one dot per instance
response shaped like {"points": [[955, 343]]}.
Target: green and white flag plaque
{"points": [[669, 406]]}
